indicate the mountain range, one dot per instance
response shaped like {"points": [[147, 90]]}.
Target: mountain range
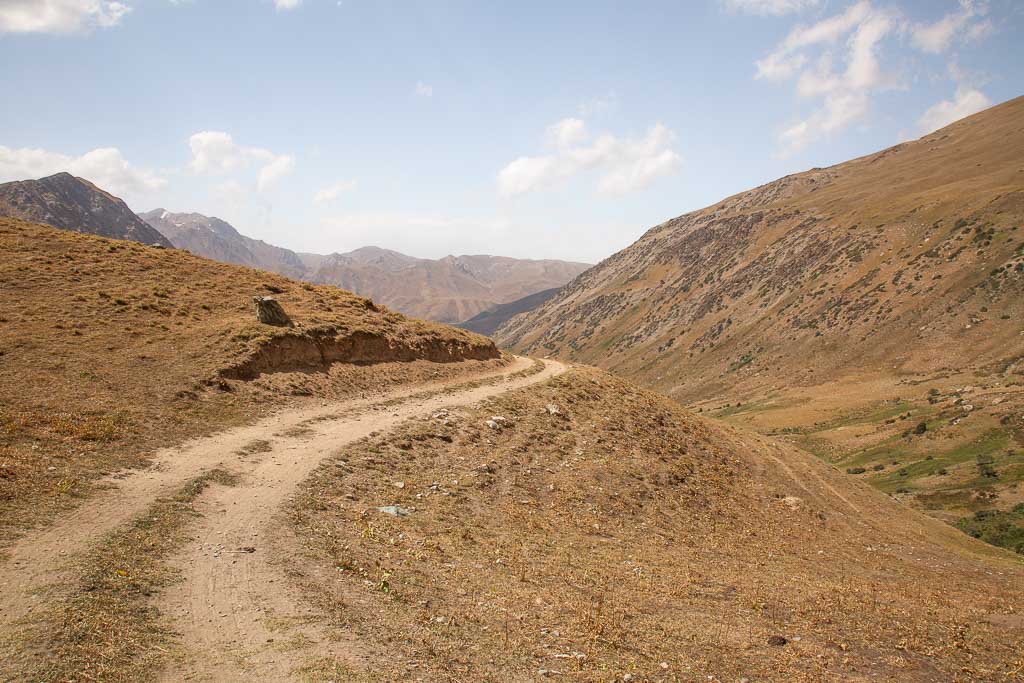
{"points": [[450, 289]]}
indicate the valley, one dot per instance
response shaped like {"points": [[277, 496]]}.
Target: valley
{"points": [[777, 439], [838, 309]]}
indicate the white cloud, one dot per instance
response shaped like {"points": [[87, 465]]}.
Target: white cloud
{"points": [[274, 171], [770, 7], [566, 132], [966, 101], [105, 167], [59, 16], [626, 164], [216, 152], [842, 77], [286, 4], [936, 37], [424, 89], [332, 192], [980, 30]]}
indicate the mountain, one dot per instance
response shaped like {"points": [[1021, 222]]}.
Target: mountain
{"points": [[487, 322], [218, 240], [449, 290], [845, 308], [71, 203]]}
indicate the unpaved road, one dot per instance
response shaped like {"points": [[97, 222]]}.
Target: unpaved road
{"points": [[232, 602]]}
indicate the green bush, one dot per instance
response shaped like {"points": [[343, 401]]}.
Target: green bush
{"points": [[998, 527]]}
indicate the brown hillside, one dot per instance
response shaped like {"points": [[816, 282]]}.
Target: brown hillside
{"points": [[893, 275], [601, 532], [109, 348]]}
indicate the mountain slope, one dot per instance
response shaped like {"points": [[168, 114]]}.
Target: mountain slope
{"points": [[449, 290], [110, 349], [71, 203], [885, 260], [487, 322], [218, 240], [842, 307]]}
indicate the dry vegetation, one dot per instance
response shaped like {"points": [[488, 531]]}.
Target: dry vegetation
{"points": [[104, 629], [110, 349], [600, 532]]}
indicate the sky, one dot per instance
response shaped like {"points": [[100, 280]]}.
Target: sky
{"points": [[526, 129]]}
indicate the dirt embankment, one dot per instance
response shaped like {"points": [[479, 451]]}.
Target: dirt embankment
{"points": [[319, 349]]}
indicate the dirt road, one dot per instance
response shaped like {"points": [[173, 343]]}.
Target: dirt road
{"points": [[232, 606]]}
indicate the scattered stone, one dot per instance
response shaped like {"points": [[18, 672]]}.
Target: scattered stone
{"points": [[395, 510], [270, 312], [793, 502]]}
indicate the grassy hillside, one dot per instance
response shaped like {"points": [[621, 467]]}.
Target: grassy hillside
{"points": [[601, 532], [110, 348], [832, 295]]}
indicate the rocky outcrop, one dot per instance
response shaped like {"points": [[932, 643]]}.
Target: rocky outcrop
{"points": [[270, 312], [317, 350]]}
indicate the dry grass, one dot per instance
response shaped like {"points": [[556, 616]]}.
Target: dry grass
{"points": [[621, 535], [102, 627], [111, 349]]}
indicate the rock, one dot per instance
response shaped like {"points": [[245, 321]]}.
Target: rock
{"points": [[394, 510], [269, 312], [552, 409], [777, 640], [496, 422], [792, 502]]}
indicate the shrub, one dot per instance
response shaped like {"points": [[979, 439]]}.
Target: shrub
{"points": [[856, 470], [921, 428]]}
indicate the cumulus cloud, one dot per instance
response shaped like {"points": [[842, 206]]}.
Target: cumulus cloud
{"points": [[625, 164], [274, 171], [59, 16], [286, 4], [842, 77], [965, 102], [770, 7], [332, 192], [566, 132], [424, 89], [216, 152], [105, 167], [936, 37], [786, 59]]}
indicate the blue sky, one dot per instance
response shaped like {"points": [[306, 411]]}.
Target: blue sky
{"points": [[526, 129]]}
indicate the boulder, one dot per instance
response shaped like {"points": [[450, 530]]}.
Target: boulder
{"points": [[269, 312]]}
